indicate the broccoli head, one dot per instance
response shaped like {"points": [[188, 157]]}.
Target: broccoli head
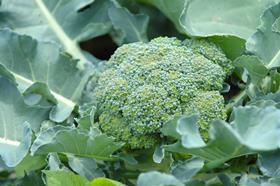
{"points": [[146, 84]]}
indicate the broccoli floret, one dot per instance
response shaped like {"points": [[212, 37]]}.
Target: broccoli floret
{"points": [[210, 105], [115, 125], [210, 51], [147, 84]]}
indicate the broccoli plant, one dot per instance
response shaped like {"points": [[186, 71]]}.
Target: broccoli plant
{"points": [[145, 85], [143, 92]]}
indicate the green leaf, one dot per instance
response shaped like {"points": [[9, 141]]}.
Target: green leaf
{"points": [[276, 25], [83, 4], [195, 183], [71, 140], [39, 88], [273, 98], [30, 163], [62, 178], [172, 9], [158, 155], [252, 180], [63, 21], [33, 62], [105, 182], [269, 163], [189, 133], [157, 179], [16, 118], [252, 130], [86, 167], [169, 129], [127, 158], [265, 42], [87, 113], [256, 69], [226, 180], [184, 171], [132, 28], [8, 75], [54, 163], [15, 146], [31, 179], [219, 17], [231, 45]]}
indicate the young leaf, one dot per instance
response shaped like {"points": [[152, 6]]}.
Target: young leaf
{"points": [[132, 28], [269, 163], [256, 180], [158, 155], [252, 130], [276, 25], [32, 62], [55, 164], [156, 178], [232, 46], [30, 163], [70, 140], [105, 182], [265, 42], [31, 179], [86, 167], [16, 118], [256, 69], [62, 178], [184, 171], [172, 9]]}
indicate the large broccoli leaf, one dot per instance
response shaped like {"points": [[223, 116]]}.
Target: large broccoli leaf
{"points": [[61, 178], [59, 20], [33, 63], [215, 17], [172, 9], [16, 121], [252, 130], [69, 22], [265, 41]]}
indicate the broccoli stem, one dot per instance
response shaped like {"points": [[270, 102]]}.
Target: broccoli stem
{"points": [[237, 100]]}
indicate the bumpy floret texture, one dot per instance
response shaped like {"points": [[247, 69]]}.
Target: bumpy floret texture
{"points": [[210, 51], [210, 106], [147, 84]]}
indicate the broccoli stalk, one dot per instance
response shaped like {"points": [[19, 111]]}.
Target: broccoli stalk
{"points": [[145, 85]]}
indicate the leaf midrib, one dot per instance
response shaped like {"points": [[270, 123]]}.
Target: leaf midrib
{"points": [[9, 142], [59, 97], [70, 45], [273, 62]]}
